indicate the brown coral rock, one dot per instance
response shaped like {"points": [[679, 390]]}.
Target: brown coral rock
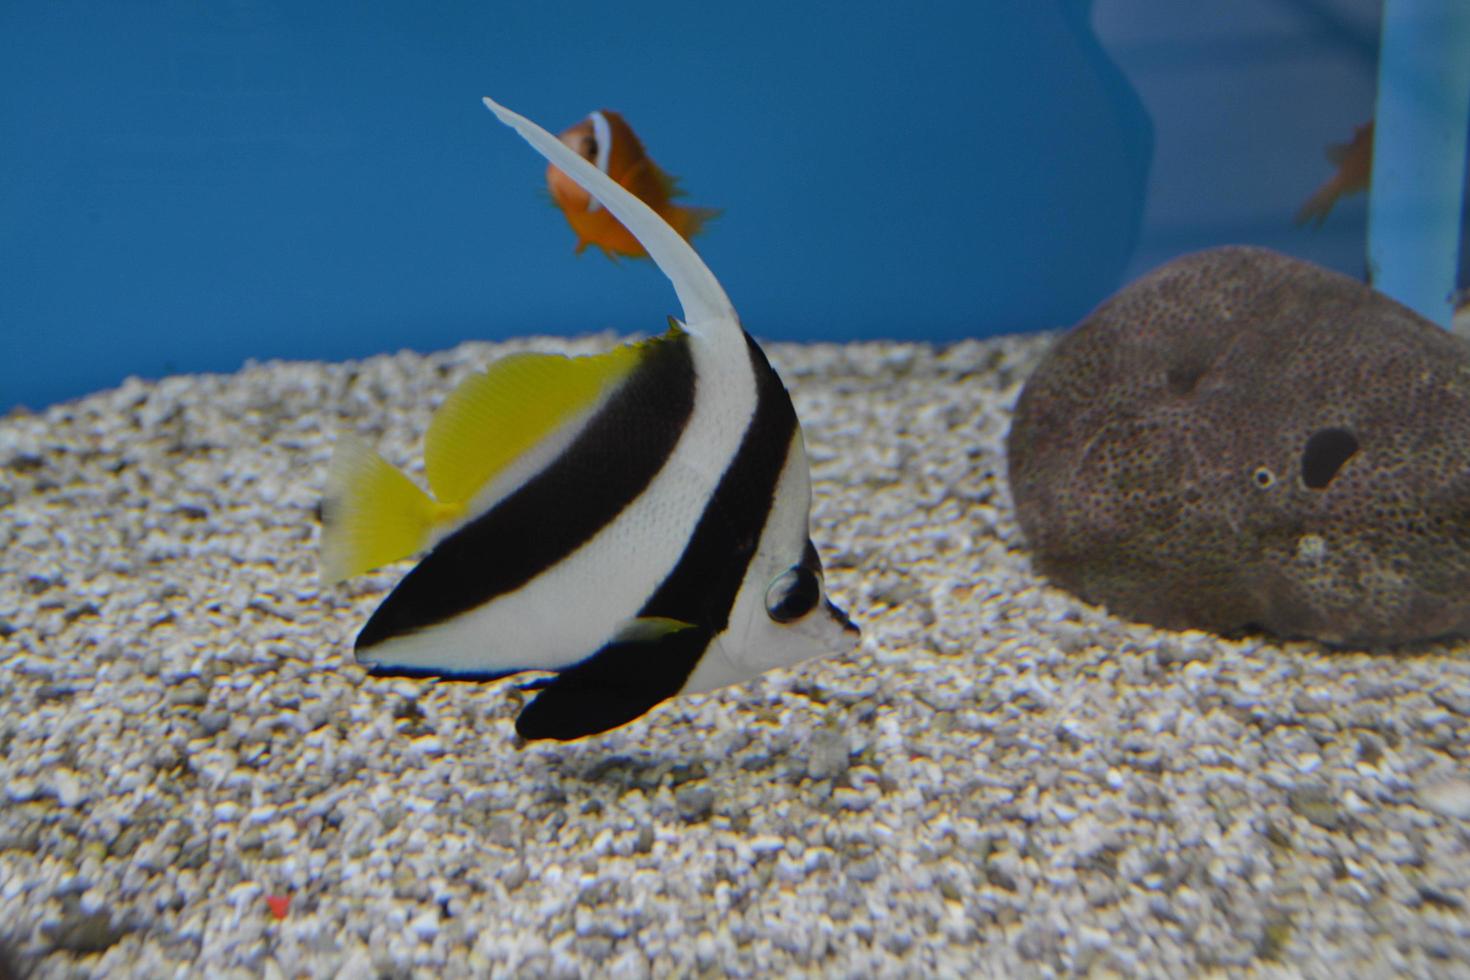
{"points": [[1245, 440]]}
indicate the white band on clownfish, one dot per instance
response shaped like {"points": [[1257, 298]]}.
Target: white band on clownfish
{"points": [[706, 307], [602, 136]]}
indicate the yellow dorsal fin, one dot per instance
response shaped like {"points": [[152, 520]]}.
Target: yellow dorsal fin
{"points": [[372, 514], [498, 414]]}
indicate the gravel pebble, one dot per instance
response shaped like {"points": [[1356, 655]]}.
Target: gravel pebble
{"points": [[91, 932], [1000, 781], [1448, 797]]}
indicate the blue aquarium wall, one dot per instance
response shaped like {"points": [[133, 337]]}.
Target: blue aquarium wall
{"points": [[186, 185]]}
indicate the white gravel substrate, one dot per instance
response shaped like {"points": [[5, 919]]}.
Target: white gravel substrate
{"points": [[1002, 781]]}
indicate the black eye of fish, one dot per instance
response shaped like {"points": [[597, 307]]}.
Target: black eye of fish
{"points": [[793, 594]]}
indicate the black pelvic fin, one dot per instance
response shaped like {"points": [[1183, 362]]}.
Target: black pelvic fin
{"points": [[613, 686]]}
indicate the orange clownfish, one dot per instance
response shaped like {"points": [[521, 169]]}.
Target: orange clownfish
{"points": [[1354, 161], [607, 141]]}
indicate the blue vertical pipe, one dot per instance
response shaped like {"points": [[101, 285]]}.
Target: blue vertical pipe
{"points": [[1417, 189]]}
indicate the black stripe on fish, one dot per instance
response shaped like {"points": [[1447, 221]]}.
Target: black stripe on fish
{"points": [[540, 523], [625, 679]]}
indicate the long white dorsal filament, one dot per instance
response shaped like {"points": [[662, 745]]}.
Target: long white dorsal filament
{"points": [[700, 293]]}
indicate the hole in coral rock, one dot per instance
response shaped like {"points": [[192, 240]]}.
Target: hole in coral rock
{"points": [[1326, 451], [1184, 378]]}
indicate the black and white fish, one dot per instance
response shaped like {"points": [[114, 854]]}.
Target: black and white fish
{"points": [[635, 523]]}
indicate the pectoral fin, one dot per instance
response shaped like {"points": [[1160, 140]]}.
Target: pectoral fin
{"points": [[650, 629]]}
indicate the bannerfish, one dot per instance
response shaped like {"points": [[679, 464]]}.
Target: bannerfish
{"points": [[605, 139], [1354, 162], [633, 523]]}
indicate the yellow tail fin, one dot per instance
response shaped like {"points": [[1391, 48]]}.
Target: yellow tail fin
{"points": [[372, 514]]}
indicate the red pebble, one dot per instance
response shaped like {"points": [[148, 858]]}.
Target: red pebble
{"points": [[279, 905]]}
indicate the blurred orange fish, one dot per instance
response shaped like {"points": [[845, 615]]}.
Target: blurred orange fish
{"points": [[1354, 161], [607, 141]]}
